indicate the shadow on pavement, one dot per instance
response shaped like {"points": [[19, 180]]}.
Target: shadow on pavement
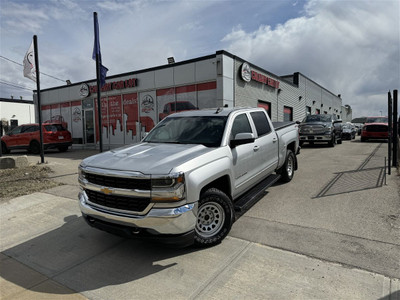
{"points": [[86, 259]]}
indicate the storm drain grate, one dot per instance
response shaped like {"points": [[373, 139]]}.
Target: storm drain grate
{"points": [[353, 181]]}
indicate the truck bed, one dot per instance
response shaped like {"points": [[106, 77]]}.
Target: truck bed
{"points": [[281, 125]]}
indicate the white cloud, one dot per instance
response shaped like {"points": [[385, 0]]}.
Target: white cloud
{"points": [[349, 47]]}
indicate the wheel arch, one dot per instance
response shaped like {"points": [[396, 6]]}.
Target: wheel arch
{"points": [[222, 183]]}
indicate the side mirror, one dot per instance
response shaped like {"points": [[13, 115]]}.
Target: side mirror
{"points": [[241, 139]]}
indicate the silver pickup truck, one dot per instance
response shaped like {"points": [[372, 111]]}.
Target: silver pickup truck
{"points": [[184, 181]]}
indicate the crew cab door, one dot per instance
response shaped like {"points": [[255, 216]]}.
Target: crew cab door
{"points": [[242, 155], [266, 145]]}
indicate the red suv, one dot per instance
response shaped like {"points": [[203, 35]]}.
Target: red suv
{"points": [[28, 137], [375, 128]]}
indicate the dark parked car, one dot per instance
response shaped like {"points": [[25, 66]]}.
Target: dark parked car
{"points": [[318, 128], [348, 131], [375, 128], [28, 137]]}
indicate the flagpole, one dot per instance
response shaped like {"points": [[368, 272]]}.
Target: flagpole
{"points": [[35, 47], [98, 88]]}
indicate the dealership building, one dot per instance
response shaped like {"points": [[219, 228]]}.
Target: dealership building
{"points": [[132, 103]]}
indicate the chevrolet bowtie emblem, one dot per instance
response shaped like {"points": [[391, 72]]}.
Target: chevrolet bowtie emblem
{"points": [[106, 191]]}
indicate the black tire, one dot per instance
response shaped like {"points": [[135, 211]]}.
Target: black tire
{"points": [[63, 148], [363, 139], [287, 170], [215, 217], [332, 142], [34, 147], [339, 141], [4, 148]]}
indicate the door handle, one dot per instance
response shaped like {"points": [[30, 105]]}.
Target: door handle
{"points": [[256, 148], [274, 140]]}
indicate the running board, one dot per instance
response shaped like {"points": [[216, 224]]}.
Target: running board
{"points": [[255, 194]]}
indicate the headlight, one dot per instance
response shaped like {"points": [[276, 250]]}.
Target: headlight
{"points": [[168, 188], [81, 173]]}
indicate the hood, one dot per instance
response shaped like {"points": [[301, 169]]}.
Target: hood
{"points": [[384, 124], [146, 158]]}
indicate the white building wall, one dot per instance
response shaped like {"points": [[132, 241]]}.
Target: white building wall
{"points": [[17, 110]]}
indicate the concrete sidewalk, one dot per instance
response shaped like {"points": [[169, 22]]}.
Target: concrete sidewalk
{"points": [[49, 252]]}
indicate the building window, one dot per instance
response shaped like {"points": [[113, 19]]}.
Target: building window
{"points": [[317, 111], [266, 106], [287, 113], [308, 110]]}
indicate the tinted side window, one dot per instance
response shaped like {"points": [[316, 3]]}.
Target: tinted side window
{"points": [[241, 124], [16, 130], [261, 122], [31, 129]]}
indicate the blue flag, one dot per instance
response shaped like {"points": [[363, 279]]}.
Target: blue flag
{"points": [[96, 50]]}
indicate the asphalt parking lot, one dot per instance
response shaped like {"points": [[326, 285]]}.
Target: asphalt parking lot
{"points": [[331, 233]]}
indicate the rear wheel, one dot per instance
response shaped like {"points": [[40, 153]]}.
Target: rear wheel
{"points": [[287, 170], [215, 217], [34, 147], [63, 148]]}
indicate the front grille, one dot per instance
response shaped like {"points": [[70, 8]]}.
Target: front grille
{"points": [[118, 202], [377, 128], [119, 182], [312, 130]]}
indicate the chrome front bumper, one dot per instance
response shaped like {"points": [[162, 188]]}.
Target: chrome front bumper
{"points": [[316, 138], [171, 221]]}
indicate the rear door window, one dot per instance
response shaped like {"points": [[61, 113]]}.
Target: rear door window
{"points": [[261, 123]]}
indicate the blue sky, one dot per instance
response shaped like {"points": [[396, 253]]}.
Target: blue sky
{"points": [[350, 47]]}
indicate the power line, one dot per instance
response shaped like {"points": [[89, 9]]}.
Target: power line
{"points": [[10, 60], [14, 85]]}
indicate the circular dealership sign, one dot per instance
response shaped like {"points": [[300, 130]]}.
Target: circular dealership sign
{"points": [[84, 90], [246, 72]]}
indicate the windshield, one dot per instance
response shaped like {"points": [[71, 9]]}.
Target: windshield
{"points": [[205, 130], [317, 118], [377, 120]]}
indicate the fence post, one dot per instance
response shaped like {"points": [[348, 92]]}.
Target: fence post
{"points": [[389, 132], [395, 131]]}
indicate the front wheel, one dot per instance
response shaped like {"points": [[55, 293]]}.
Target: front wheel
{"points": [[287, 170], [34, 147], [339, 141], [4, 149], [215, 217], [332, 142]]}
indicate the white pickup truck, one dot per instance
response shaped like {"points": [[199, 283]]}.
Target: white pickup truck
{"points": [[184, 181]]}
